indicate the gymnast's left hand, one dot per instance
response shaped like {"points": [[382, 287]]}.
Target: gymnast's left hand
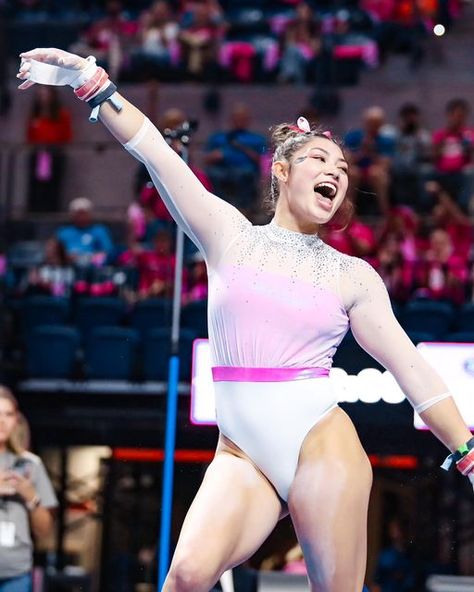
{"points": [[48, 55]]}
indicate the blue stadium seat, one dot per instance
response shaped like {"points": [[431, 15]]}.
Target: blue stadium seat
{"points": [[157, 350], [460, 337], [154, 313], [43, 310], [465, 318], [420, 336], [194, 317], [110, 353], [51, 351], [427, 316], [352, 358], [97, 312]]}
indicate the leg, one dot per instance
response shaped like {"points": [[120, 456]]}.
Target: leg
{"points": [[328, 504], [234, 511]]}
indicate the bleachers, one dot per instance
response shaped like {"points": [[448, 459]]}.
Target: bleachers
{"points": [[103, 339]]}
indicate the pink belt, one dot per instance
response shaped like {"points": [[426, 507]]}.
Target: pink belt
{"points": [[238, 374]]}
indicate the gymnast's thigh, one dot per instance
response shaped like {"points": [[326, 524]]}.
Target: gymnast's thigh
{"points": [[328, 503], [232, 514]]}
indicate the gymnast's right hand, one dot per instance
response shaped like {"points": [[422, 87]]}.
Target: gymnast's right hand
{"points": [[70, 62]]}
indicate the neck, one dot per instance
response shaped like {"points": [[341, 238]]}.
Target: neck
{"points": [[3, 447], [288, 221]]}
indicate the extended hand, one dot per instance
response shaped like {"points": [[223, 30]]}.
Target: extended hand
{"points": [[48, 55]]}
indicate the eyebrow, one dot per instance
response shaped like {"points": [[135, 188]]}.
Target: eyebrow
{"points": [[327, 153]]}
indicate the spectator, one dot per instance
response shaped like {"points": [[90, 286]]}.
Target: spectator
{"points": [[158, 39], [370, 153], [411, 164], [453, 153], [156, 267], [85, 241], [200, 38], [26, 495], [55, 276], [447, 215], [109, 39], [48, 129], [442, 275], [301, 45], [404, 223], [197, 280], [294, 561], [397, 273], [395, 571], [356, 239], [233, 159], [148, 213]]}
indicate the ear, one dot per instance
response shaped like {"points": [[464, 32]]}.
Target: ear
{"points": [[280, 170]]}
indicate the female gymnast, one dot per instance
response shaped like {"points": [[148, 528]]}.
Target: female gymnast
{"points": [[280, 302]]}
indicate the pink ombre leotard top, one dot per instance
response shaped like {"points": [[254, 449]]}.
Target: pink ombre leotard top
{"points": [[278, 298]]}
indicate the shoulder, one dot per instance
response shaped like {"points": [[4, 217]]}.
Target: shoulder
{"points": [[359, 281], [356, 267], [31, 458]]}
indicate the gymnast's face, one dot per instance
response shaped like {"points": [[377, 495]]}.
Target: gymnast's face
{"points": [[312, 185]]}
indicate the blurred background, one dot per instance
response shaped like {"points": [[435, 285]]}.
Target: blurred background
{"points": [[87, 254]]}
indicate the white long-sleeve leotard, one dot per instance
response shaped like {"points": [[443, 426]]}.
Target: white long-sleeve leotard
{"points": [[279, 298]]}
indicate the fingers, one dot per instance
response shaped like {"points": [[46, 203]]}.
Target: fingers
{"points": [[41, 54], [25, 85]]}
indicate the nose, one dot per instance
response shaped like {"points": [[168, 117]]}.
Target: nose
{"points": [[334, 174]]}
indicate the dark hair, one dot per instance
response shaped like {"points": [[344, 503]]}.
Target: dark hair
{"points": [[457, 103], [408, 109], [286, 140]]}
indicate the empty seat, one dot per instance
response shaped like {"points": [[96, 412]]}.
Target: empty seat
{"points": [[420, 336], [43, 310], [110, 353], [427, 316], [465, 318], [154, 313], [194, 317], [51, 351], [156, 354], [460, 337], [92, 313]]}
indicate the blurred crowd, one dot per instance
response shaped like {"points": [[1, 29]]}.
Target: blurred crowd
{"points": [[411, 189], [260, 40]]}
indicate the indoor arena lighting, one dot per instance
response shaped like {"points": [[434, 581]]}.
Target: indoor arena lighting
{"points": [[439, 30]]}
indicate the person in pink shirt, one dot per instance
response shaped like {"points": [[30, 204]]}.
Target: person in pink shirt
{"points": [[156, 267], [453, 153], [280, 302], [356, 239], [447, 215], [442, 275]]}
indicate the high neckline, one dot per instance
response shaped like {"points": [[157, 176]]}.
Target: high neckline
{"points": [[285, 235]]}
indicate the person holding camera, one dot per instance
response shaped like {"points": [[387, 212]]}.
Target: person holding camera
{"points": [[26, 498]]}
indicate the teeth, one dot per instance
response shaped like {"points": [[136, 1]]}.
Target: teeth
{"points": [[331, 189]]}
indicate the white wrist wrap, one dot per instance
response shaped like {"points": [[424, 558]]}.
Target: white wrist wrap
{"points": [[57, 76]]}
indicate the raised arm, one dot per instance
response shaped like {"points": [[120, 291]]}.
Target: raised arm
{"points": [[209, 221], [377, 331]]}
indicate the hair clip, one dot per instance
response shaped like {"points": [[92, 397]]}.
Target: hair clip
{"points": [[328, 134], [303, 124]]}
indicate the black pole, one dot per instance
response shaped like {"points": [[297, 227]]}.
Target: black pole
{"points": [[61, 523]]}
